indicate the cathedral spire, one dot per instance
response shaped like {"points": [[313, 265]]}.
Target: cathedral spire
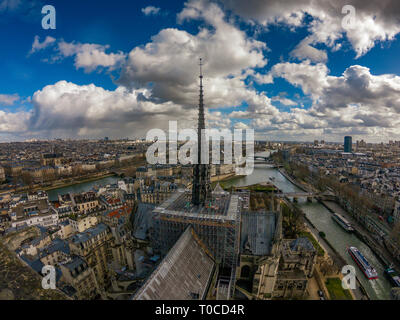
{"points": [[201, 189], [201, 122]]}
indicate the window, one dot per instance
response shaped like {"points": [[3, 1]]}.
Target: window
{"points": [[245, 272]]}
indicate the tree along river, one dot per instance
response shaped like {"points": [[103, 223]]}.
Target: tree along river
{"points": [[322, 220], [315, 212], [81, 187]]}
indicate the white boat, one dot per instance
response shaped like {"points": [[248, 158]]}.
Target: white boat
{"points": [[342, 222]]}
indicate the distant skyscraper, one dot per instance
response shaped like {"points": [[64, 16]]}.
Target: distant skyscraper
{"points": [[201, 189], [348, 144]]}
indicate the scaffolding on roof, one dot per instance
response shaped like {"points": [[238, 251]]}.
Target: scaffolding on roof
{"points": [[219, 230]]}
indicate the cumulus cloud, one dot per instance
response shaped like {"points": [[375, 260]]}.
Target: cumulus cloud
{"points": [[312, 78], [150, 10], [305, 50], [159, 80], [283, 100], [70, 110], [375, 20], [13, 122], [37, 45], [378, 94], [92, 107], [8, 99], [158, 83], [357, 102], [169, 63], [90, 56], [356, 86]]}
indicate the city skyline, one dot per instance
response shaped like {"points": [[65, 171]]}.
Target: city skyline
{"points": [[289, 71], [137, 139]]}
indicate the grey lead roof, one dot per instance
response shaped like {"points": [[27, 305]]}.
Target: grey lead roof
{"points": [[184, 274]]}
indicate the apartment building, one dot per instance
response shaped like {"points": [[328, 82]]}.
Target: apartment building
{"points": [[2, 175], [85, 201], [93, 245], [77, 273], [80, 224], [32, 213]]}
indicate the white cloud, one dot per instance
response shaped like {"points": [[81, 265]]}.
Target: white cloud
{"points": [[87, 110], [150, 10], [88, 106], [375, 20], [369, 30], [311, 78], [284, 101], [159, 80], [356, 102], [11, 122], [304, 50], [169, 63], [90, 56], [37, 45], [8, 99], [241, 126]]}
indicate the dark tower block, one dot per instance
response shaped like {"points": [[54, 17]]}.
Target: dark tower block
{"points": [[201, 189], [348, 144]]}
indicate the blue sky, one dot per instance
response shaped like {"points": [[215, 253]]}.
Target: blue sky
{"points": [[117, 68], [119, 24]]}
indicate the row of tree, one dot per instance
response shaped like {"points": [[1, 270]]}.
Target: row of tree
{"points": [[359, 203], [77, 171]]}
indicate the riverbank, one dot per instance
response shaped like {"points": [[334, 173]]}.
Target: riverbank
{"points": [[321, 279], [77, 182], [360, 233], [224, 177], [360, 293], [378, 250], [321, 218], [339, 260], [292, 180]]}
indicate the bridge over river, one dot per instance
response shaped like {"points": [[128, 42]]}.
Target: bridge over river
{"points": [[308, 195], [266, 160], [297, 194]]}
